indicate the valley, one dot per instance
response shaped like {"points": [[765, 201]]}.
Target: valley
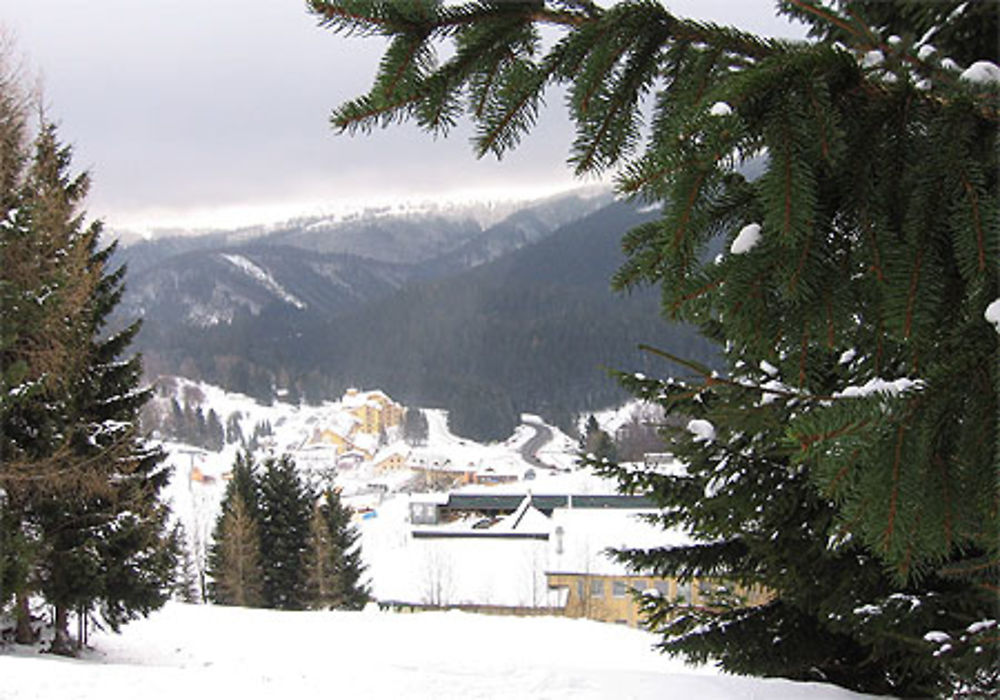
{"points": [[485, 322]]}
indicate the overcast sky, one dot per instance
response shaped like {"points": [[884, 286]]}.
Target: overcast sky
{"points": [[201, 113]]}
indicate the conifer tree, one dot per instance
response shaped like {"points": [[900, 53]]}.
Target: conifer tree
{"points": [[236, 570], [186, 584], [105, 544], [80, 484], [285, 511], [234, 559], [45, 286], [415, 427], [335, 566], [847, 459], [596, 442]]}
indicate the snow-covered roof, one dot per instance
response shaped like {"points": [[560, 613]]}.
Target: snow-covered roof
{"points": [[396, 449], [526, 518], [356, 398]]}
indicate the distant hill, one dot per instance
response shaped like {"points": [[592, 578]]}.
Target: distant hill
{"points": [[518, 318]]}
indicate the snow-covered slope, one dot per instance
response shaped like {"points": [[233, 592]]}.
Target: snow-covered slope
{"points": [[213, 652]]}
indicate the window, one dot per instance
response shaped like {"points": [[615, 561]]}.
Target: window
{"points": [[663, 588], [639, 585], [581, 589], [618, 589], [684, 592], [596, 588]]}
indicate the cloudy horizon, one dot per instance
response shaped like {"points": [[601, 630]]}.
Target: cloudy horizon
{"points": [[197, 115]]}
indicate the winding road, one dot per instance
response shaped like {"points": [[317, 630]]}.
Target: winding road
{"points": [[529, 450]]}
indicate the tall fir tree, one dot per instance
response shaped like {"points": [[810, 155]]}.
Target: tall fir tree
{"points": [[45, 286], [847, 459], [285, 511], [106, 545], [335, 567], [80, 484]]}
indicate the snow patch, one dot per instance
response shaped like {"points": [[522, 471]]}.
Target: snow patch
{"points": [[880, 386], [981, 626], [720, 109], [702, 430], [265, 279], [949, 65], [746, 239], [992, 314], [872, 59], [982, 73], [936, 637]]}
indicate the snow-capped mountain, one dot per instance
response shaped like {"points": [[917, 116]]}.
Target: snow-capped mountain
{"points": [[326, 266]]}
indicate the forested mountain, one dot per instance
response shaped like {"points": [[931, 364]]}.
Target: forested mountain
{"points": [[532, 330]]}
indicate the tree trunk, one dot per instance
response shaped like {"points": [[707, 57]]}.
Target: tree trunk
{"points": [[62, 644], [23, 634]]}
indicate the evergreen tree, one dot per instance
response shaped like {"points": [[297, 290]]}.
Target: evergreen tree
{"points": [[847, 458], [81, 485], [235, 566], [215, 434], [335, 566], [177, 421], [186, 583], [596, 443], [285, 512], [94, 537], [45, 287], [234, 433], [415, 427]]}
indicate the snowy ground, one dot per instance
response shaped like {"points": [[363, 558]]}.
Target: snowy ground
{"points": [[194, 652]]}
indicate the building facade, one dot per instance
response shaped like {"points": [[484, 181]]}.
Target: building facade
{"points": [[611, 598]]}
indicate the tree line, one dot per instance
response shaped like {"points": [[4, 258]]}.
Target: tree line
{"points": [[280, 543]]}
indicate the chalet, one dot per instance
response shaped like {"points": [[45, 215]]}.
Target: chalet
{"points": [[391, 459]]}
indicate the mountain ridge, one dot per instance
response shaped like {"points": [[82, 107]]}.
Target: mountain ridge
{"points": [[487, 334]]}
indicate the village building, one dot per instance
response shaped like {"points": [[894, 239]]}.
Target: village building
{"points": [[391, 459], [374, 410], [612, 597], [524, 554]]}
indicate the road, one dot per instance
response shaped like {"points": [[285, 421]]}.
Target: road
{"points": [[529, 450]]}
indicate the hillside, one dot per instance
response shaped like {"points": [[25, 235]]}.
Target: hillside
{"points": [[517, 318], [187, 651], [533, 331]]}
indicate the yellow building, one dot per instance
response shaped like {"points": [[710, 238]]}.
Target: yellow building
{"points": [[609, 598], [332, 437], [374, 410], [390, 460]]}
